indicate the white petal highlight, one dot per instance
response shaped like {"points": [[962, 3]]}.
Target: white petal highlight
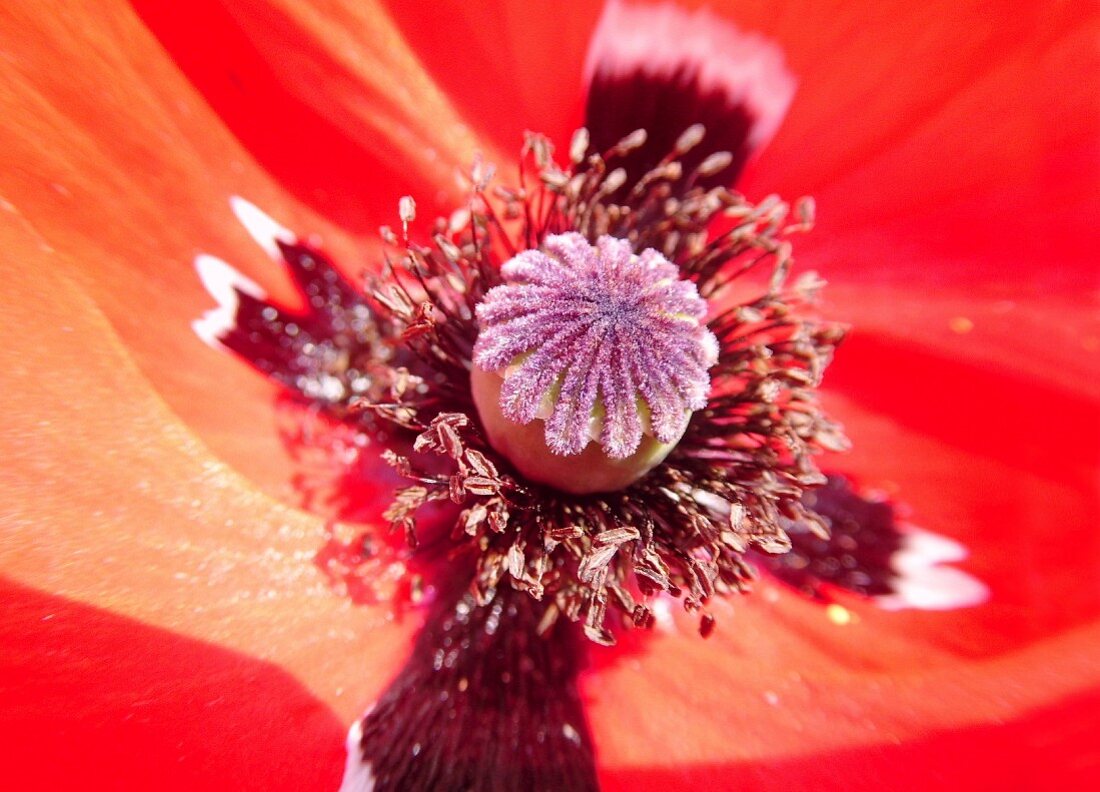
{"points": [[261, 226], [923, 584], [358, 774], [223, 282]]}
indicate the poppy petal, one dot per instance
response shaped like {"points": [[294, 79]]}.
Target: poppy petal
{"points": [[508, 67], [869, 552], [735, 704], [114, 502], [328, 97], [661, 69], [944, 143], [122, 705], [891, 153], [993, 755]]}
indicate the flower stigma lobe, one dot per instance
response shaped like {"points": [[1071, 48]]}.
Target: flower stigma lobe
{"points": [[603, 348]]}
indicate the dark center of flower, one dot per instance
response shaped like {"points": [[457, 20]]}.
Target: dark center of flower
{"points": [[602, 350]]}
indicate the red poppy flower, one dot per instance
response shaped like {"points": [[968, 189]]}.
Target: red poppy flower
{"points": [[165, 622]]}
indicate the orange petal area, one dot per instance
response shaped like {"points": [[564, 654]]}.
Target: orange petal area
{"points": [[112, 501], [327, 95], [737, 711], [115, 163], [119, 162]]}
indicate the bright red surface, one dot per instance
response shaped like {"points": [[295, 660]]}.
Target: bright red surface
{"points": [[952, 149]]}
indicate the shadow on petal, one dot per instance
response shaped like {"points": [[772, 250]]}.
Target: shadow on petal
{"points": [[122, 705], [993, 756], [985, 411]]}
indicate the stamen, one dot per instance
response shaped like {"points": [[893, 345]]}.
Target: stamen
{"points": [[403, 356], [599, 344]]}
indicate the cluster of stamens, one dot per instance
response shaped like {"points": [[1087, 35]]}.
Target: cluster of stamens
{"points": [[601, 305]]}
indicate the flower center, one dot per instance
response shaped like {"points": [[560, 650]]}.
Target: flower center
{"points": [[589, 362]]}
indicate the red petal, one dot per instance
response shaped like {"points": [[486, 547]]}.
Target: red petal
{"points": [[124, 706], [116, 501], [1050, 747], [944, 143], [328, 97], [508, 67], [777, 704], [113, 501]]}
